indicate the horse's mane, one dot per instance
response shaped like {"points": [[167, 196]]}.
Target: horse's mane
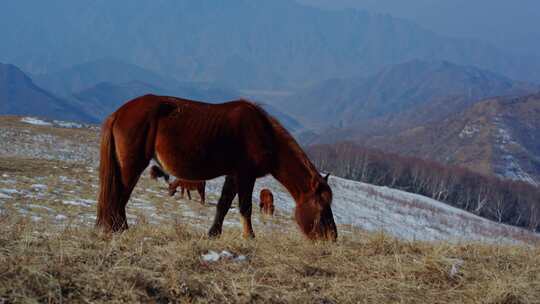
{"points": [[286, 138]]}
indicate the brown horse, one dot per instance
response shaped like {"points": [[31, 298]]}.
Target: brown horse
{"points": [[187, 186], [156, 173], [200, 141], [266, 202]]}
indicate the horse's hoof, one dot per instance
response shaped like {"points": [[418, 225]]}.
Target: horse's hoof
{"points": [[214, 233], [248, 236]]}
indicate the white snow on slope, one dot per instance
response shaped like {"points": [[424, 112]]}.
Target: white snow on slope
{"points": [[68, 124], [35, 121], [511, 169], [79, 202], [401, 214], [4, 196]]}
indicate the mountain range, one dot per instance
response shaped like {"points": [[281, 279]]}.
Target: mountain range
{"points": [[453, 114], [398, 96], [487, 20], [20, 96], [241, 44], [93, 90], [83, 76]]}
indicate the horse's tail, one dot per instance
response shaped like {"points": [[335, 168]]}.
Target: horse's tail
{"points": [[110, 178]]}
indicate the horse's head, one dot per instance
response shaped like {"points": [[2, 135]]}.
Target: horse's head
{"points": [[314, 213]]}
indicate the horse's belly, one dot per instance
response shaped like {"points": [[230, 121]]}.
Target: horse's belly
{"points": [[190, 166]]}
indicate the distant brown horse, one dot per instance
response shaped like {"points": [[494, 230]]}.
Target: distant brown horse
{"points": [[266, 202], [187, 186], [156, 173], [200, 141]]}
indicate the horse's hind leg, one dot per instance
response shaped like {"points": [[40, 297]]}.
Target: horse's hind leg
{"points": [[112, 215], [228, 192], [188, 194], [117, 175], [245, 192]]}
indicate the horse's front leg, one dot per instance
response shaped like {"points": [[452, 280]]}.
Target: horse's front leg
{"points": [[201, 194], [228, 192], [245, 193]]}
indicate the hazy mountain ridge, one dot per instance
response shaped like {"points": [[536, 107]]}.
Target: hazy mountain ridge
{"points": [[20, 96], [238, 43], [462, 18], [104, 98], [105, 91], [413, 92], [86, 75]]}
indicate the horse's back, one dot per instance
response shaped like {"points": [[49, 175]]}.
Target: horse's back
{"points": [[214, 139], [196, 140]]}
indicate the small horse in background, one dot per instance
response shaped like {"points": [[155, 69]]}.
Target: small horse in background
{"points": [[200, 141], [187, 186], [156, 173], [266, 202]]}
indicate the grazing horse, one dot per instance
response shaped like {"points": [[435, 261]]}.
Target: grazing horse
{"points": [[266, 202], [187, 186], [199, 141]]}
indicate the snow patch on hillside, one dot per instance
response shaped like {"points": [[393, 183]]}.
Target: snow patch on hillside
{"points": [[511, 169], [35, 121], [469, 131], [401, 214]]}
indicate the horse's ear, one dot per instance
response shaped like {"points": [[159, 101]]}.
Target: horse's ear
{"points": [[326, 177]]}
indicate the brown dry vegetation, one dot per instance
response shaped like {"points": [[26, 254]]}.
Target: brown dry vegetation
{"points": [[150, 263]]}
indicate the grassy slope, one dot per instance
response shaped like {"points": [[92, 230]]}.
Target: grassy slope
{"points": [[49, 252], [162, 263], [47, 259]]}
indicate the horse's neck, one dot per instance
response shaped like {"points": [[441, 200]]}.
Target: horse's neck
{"points": [[294, 171]]}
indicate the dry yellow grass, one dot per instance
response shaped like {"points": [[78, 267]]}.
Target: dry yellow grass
{"points": [[162, 263]]}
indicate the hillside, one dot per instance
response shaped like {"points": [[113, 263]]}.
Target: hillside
{"points": [[399, 96], [20, 96], [238, 43], [357, 205], [495, 136], [51, 252]]}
